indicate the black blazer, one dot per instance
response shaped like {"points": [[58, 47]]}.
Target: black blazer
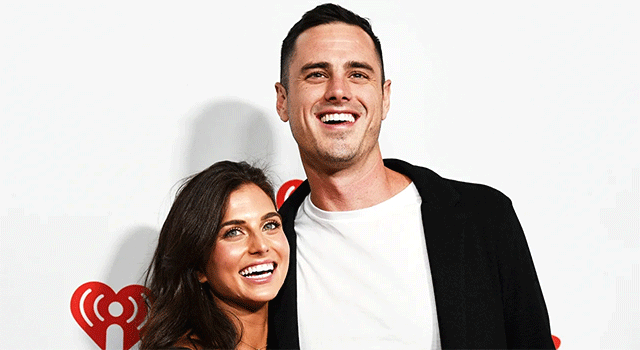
{"points": [[486, 288]]}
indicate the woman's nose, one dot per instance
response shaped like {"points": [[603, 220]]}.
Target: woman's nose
{"points": [[258, 244]]}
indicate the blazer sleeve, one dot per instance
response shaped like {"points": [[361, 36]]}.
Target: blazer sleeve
{"points": [[525, 313]]}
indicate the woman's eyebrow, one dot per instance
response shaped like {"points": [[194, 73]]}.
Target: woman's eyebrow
{"points": [[242, 222], [233, 222], [269, 215]]}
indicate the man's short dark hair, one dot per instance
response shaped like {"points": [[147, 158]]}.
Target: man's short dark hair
{"points": [[323, 14]]}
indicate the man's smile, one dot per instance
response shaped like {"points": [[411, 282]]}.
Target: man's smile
{"points": [[338, 118]]}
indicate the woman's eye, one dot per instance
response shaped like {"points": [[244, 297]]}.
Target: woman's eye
{"points": [[272, 225], [234, 232]]}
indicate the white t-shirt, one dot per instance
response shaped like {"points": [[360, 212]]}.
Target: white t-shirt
{"points": [[363, 277]]}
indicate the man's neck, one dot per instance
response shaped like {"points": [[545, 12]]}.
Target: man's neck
{"points": [[355, 187]]}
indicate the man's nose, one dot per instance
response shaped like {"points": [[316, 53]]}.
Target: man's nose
{"points": [[338, 90]]}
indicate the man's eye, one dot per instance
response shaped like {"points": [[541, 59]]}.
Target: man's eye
{"points": [[358, 76], [315, 75]]}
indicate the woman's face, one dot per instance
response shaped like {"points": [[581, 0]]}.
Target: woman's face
{"points": [[250, 258]]}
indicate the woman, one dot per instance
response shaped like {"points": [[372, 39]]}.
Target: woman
{"points": [[221, 256]]}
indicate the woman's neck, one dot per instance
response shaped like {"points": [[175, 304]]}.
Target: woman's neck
{"points": [[255, 328], [252, 322]]}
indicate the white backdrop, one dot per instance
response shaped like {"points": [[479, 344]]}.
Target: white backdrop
{"points": [[104, 107]]}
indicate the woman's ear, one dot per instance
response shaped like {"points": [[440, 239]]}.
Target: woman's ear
{"points": [[202, 278]]}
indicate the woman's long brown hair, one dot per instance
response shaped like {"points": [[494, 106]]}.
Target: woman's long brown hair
{"points": [[182, 307]]}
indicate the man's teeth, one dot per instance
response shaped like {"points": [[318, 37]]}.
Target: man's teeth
{"points": [[338, 118], [258, 270]]}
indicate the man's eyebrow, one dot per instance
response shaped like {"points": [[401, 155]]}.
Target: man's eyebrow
{"points": [[359, 64], [325, 65], [315, 65]]}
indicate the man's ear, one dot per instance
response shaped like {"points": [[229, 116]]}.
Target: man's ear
{"points": [[281, 102], [386, 98], [202, 278]]}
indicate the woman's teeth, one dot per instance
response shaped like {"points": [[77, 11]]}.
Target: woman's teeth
{"points": [[258, 270]]}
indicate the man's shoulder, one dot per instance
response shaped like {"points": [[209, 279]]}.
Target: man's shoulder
{"points": [[433, 188], [479, 191], [445, 190]]}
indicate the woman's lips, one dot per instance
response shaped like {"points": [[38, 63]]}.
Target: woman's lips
{"points": [[259, 270]]}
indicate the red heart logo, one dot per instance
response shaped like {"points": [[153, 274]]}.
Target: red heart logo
{"points": [[95, 306], [556, 341], [286, 189]]}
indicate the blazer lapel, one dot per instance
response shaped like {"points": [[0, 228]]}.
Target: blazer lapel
{"points": [[444, 235], [283, 310]]}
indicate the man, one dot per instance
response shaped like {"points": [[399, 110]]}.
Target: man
{"points": [[386, 254]]}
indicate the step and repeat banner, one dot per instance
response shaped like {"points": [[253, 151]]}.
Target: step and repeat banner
{"points": [[105, 107]]}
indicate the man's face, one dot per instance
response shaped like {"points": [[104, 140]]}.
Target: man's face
{"points": [[335, 101]]}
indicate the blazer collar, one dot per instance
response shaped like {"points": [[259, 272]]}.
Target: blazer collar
{"points": [[435, 191]]}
